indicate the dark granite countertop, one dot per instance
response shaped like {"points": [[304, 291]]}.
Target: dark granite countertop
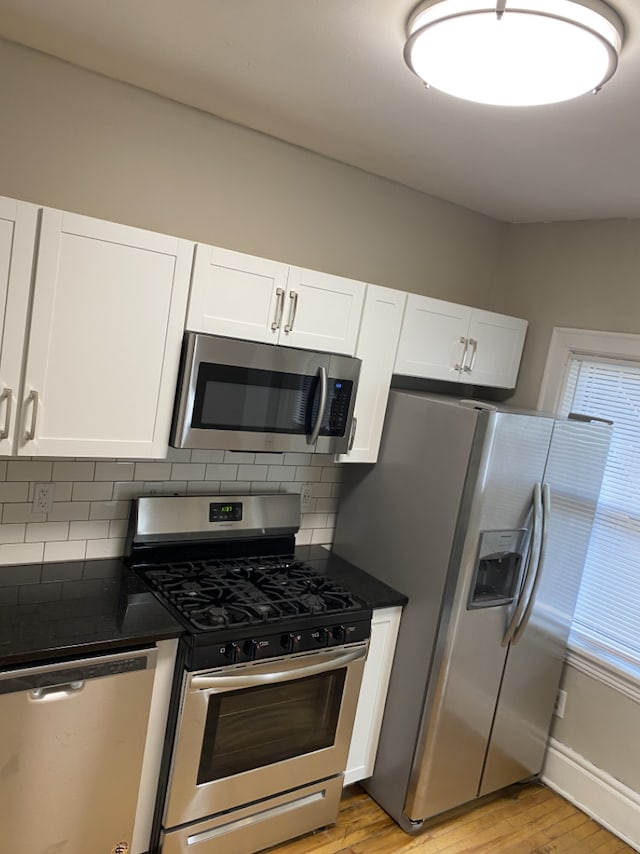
{"points": [[60, 610], [374, 593]]}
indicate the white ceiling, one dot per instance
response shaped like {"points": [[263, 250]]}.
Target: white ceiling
{"points": [[329, 75]]}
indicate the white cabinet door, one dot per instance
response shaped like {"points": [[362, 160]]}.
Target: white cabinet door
{"points": [[236, 295], [322, 312], [373, 694], [377, 344], [107, 322], [17, 236], [243, 296], [433, 339], [444, 341], [495, 343]]}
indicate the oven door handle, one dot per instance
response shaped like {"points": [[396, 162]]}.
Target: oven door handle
{"points": [[234, 679]]}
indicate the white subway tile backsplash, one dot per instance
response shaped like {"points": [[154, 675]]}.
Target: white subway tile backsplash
{"points": [[21, 513], [43, 532], [153, 471], [28, 470], [88, 530], [246, 472], [239, 457], [90, 511], [217, 471], [104, 548], [92, 491], [65, 470], [12, 533], [115, 471], [69, 511], [308, 474], [65, 550], [188, 471], [297, 459], [109, 510], [21, 553], [207, 456]]}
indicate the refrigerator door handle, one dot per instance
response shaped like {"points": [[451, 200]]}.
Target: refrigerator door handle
{"points": [[546, 512], [533, 562]]}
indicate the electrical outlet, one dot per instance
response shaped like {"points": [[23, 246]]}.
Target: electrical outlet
{"points": [[561, 701], [43, 497], [306, 497]]}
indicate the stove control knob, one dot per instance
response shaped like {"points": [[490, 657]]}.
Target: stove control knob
{"points": [[251, 648], [341, 633], [230, 651], [321, 636], [291, 642]]}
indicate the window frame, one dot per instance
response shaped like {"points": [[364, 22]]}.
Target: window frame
{"points": [[567, 343]]}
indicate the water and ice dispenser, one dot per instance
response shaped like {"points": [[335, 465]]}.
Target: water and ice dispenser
{"points": [[498, 568]]}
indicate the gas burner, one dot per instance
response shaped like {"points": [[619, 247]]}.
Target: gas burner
{"points": [[247, 591]]}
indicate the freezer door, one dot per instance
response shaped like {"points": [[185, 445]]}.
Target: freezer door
{"points": [[573, 476], [469, 659]]}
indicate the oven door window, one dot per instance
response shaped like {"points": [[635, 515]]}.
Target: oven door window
{"points": [[228, 397], [258, 726]]}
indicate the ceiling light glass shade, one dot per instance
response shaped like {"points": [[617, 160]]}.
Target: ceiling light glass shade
{"points": [[514, 53]]}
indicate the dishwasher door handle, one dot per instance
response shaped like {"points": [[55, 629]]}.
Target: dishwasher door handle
{"points": [[52, 692]]}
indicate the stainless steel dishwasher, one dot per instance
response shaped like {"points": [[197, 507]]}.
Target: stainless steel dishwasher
{"points": [[72, 737]]}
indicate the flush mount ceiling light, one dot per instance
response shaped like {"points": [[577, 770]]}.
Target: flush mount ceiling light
{"points": [[514, 52]]}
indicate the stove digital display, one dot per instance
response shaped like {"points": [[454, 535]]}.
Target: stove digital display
{"points": [[230, 512]]}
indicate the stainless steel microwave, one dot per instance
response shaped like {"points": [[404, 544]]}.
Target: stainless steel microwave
{"points": [[243, 396]]}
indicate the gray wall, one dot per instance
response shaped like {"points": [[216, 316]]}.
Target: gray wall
{"points": [[74, 140]]}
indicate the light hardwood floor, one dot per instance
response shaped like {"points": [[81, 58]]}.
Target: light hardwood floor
{"points": [[529, 820]]}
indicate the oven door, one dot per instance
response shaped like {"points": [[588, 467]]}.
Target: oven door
{"points": [[250, 731], [244, 396]]}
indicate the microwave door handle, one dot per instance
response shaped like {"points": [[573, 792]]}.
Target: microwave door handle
{"points": [[532, 561], [546, 513], [315, 432]]}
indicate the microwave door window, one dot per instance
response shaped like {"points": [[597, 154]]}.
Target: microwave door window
{"points": [[254, 400]]}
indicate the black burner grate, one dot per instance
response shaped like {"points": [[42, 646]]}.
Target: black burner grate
{"points": [[217, 594]]}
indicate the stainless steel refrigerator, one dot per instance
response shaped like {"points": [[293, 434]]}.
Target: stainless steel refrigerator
{"points": [[482, 517]]}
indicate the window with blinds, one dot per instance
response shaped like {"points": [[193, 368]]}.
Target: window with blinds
{"points": [[607, 618]]}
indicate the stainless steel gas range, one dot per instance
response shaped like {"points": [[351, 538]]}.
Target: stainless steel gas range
{"points": [[269, 672]]}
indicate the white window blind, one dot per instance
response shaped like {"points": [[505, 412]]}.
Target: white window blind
{"points": [[607, 618]]}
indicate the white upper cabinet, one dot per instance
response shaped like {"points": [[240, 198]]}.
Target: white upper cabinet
{"points": [[243, 296], [17, 235], [444, 341], [236, 295], [322, 312], [377, 344], [104, 342]]}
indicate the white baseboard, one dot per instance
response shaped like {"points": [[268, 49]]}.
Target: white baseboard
{"points": [[601, 796]]}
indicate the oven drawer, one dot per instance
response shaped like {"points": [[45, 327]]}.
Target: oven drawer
{"points": [[261, 825], [247, 732]]}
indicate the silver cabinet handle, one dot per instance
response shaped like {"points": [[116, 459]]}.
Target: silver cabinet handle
{"points": [[474, 349], [279, 309], [352, 437], [247, 679], [322, 374], [459, 365], [31, 433], [293, 296], [7, 395]]}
